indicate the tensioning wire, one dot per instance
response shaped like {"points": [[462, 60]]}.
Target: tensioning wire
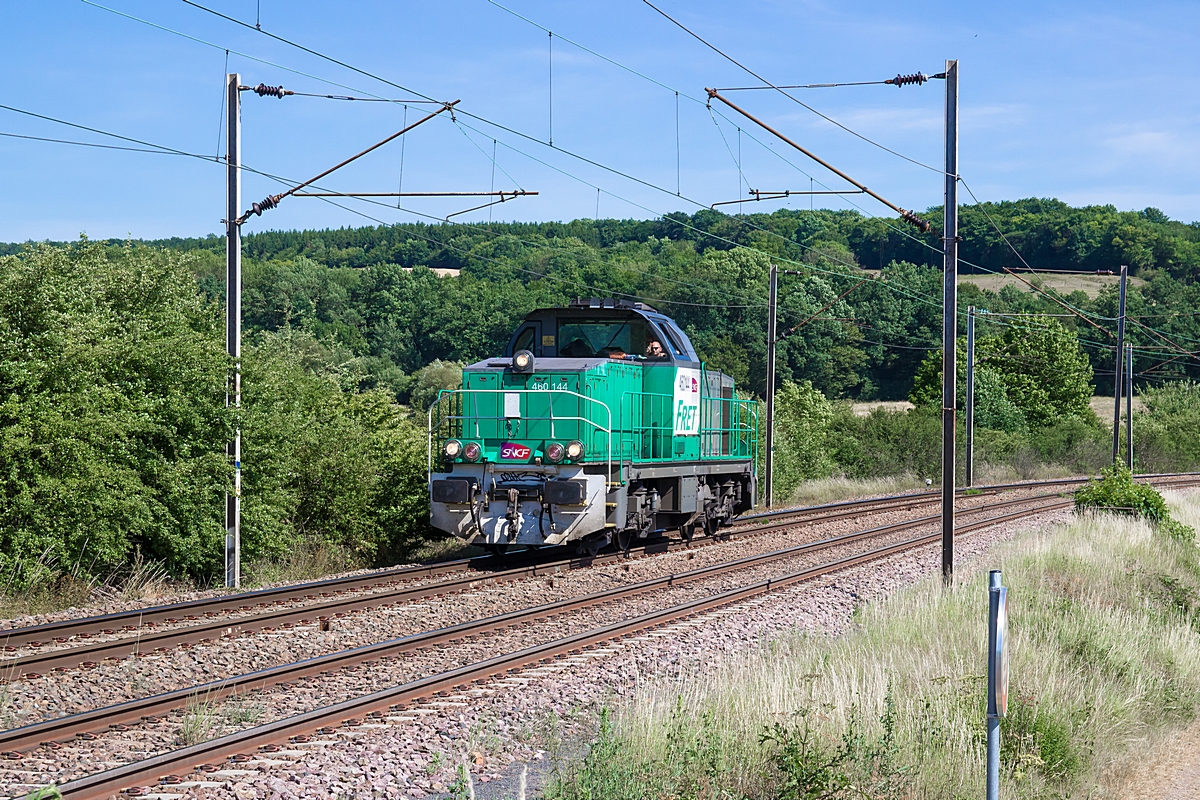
{"points": [[495, 166], [796, 100], [157, 151], [473, 116]]}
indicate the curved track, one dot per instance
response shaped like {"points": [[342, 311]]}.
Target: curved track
{"points": [[149, 636], [375, 707], [143, 630], [22, 739]]}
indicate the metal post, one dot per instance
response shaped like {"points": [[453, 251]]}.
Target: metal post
{"points": [[970, 455], [949, 320], [1117, 367], [1129, 405], [772, 297], [233, 326], [997, 676]]}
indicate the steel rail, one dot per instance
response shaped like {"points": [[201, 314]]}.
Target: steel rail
{"points": [[18, 740], [351, 712], [151, 640], [213, 607], [972, 491], [210, 607], [226, 604]]}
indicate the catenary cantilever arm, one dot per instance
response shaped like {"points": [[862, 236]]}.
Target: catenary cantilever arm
{"points": [[907, 216], [273, 200]]}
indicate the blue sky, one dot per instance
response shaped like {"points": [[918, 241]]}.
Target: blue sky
{"points": [[1088, 102]]}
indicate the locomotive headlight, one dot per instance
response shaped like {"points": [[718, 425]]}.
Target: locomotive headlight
{"points": [[574, 450], [555, 452], [472, 451], [523, 361], [453, 448]]}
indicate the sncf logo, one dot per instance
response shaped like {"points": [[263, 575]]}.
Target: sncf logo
{"points": [[514, 452]]}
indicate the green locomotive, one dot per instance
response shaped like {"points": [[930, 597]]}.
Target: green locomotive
{"points": [[599, 424]]}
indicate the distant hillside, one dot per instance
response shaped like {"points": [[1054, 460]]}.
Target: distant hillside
{"points": [[1049, 234]]}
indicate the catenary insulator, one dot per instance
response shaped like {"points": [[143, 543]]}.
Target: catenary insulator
{"points": [[902, 80], [911, 218], [262, 90], [267, 204]]}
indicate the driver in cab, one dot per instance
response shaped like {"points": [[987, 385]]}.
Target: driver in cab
{"points": [[654, 352]]}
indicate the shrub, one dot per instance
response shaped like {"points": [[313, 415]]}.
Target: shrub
{"points": [[887, 442], [1167, 434], [1117, 491], [1078, 442], [1178, 530], [112, 417], [802, 417], [431, 379], [324, 464]]}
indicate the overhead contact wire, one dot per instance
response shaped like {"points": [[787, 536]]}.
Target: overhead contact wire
{"points": [[779, 89]]}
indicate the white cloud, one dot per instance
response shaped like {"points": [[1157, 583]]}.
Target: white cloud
{"points": [[1166, 147]]}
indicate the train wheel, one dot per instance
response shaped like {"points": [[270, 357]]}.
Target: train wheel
{"points": [[498, 549], [625, 540]]}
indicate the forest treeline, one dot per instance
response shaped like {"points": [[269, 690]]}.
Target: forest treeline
{"points": [[852, 333]]}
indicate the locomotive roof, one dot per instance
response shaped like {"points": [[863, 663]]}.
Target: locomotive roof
{"points": [[609, 309]]}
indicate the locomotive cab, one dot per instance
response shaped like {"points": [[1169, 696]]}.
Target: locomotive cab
{"points": [[599, 422]]}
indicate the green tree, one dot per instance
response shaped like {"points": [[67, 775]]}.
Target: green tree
{"points": [[112, 418], [1032, 374], [802, 416], [1043, 368], [994, 409], [430, 380]]}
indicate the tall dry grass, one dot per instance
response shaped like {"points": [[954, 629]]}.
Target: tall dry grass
{"points": [[52, 589], [1105, 655]]}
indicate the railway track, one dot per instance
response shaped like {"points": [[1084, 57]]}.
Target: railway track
{"points": [[13, 742], [149, 638], [226, 605], [334, 599], [377, 706], [373, 706]]}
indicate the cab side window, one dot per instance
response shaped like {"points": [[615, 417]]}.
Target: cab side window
{"points": [[676, 347], [524, 340]]}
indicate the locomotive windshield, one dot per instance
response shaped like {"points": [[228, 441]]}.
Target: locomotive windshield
{"points": [[586, 338]]}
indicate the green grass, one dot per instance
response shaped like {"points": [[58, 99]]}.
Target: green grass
{"points": [[51, 590], [832, 490], [1104, 616]]}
